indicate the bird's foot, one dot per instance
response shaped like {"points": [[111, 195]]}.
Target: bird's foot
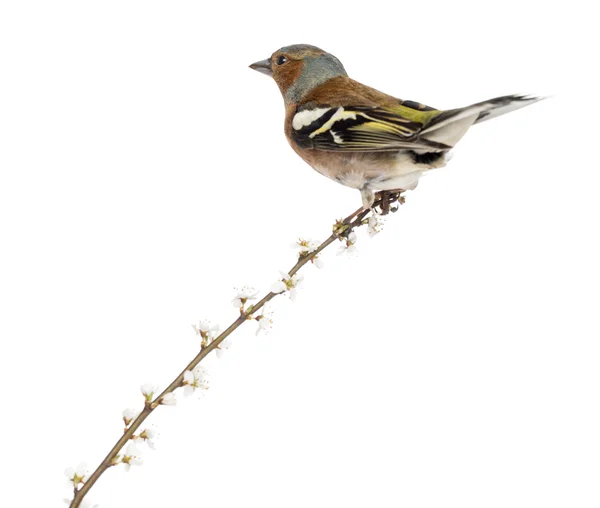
{"points": [[389, 197]]}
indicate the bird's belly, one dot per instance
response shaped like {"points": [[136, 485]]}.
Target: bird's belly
{"points": [[379, 171], [405, 182]]}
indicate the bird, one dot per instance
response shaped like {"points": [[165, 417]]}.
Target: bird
{"points": [[363, 138]]}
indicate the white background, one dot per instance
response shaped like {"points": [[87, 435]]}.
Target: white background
{"points": [[144, 174]]}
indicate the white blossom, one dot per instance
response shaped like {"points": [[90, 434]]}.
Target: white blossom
{"points": [[131, 456], [288, 284], [129, 415], [226, 344], [148, 391], [279, 287], [349, 246], [147, 435], [207, 332], [168, 399], [243, 295], [193, 379], [205, 327], [265, 320], [305, 247], [77, 475], [376, 223]]}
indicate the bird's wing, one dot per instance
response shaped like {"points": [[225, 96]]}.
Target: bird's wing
{"points": [[365, 128]]}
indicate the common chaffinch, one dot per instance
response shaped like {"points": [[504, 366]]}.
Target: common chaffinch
{"points": [[360, 137]]}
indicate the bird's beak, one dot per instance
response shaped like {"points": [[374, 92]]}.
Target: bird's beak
{"points": [[263, 66]]}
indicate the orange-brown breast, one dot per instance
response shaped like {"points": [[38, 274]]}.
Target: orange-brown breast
{"points": [[286, 75]]}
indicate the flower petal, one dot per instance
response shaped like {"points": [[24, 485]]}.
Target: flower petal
{"points": [[168, 399], [278, 287]]}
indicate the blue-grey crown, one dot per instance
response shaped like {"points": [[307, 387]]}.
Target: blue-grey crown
{"points": [[300, 48], [317, 70]]}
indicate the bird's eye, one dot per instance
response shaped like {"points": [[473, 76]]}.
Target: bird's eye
{"points": [[281, 60]]}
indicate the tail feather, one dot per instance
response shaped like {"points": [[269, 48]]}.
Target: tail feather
{"points": [[501, 105], [450, 126]]}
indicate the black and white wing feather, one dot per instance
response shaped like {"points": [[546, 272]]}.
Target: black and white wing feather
{"points": [[360, 129]]}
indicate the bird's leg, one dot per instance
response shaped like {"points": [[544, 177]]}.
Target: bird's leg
{"points": [[385, 203], [398, 198], [385, 198], [388, 197]]}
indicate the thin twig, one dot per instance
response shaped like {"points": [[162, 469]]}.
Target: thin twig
{"points": [[341, 230]]}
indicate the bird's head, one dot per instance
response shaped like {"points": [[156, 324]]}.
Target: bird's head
{"points": [[298, 69]]}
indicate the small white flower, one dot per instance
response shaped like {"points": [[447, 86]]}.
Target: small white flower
{"points": [[226, 344], [349, 246], [243, 295], [293, 294], [278, 287], [265, 320], [192, 379], [348, 251], [148, 391], [131, 456], [206, 331], [204, 327], [147, 435], [131, 450], [376, 223], [168, 399], [288, 284], [77, 475], [305, 247], [129, 415]]}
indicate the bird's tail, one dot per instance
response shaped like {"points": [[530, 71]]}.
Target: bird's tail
{"points": [[501, 105], [450, 126]]}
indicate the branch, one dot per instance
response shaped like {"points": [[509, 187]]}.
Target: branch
{"points": [[341, 231]]}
